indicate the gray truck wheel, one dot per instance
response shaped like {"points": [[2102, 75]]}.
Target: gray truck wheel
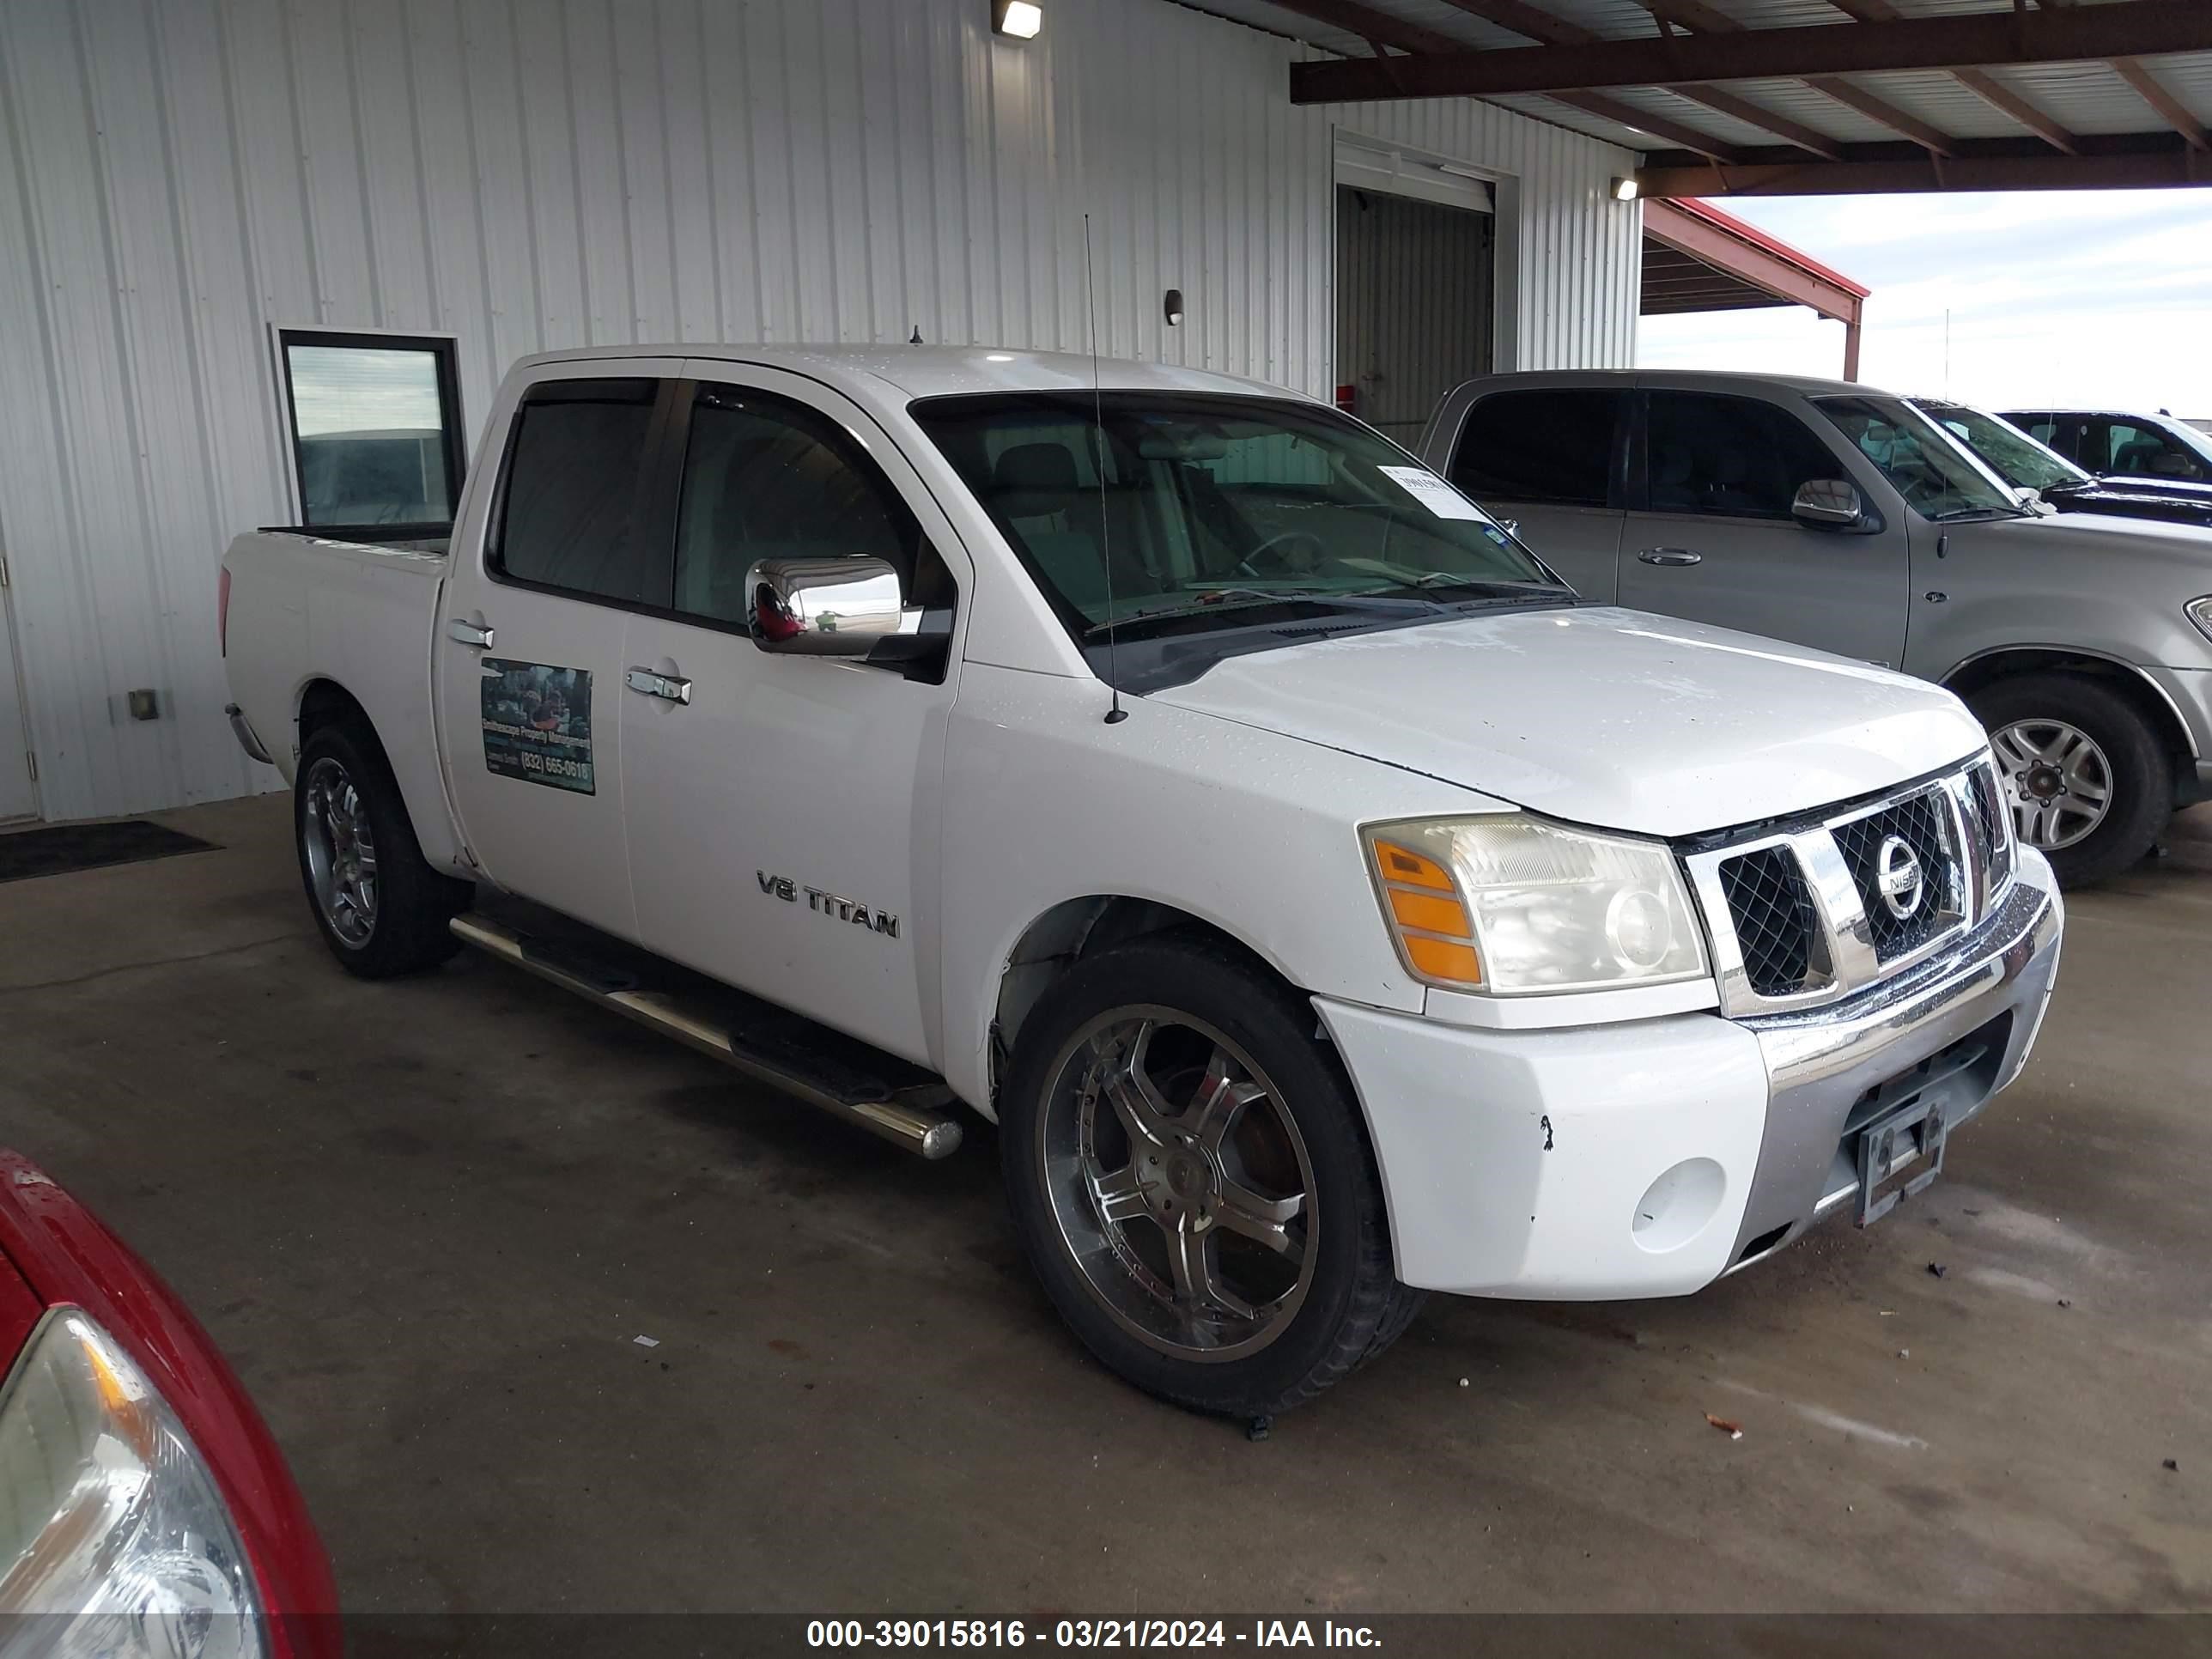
{"points": [[1191, 1177], [380, 908], [2089, 784]]}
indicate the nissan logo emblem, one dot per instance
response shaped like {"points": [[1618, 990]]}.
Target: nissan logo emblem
{"points": [[1897, 872]]}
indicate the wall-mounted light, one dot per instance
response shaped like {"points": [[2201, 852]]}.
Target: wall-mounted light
{"points": [[1173, 307], [1017, 20], [1625, 189]]}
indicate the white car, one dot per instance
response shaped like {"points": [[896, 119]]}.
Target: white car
{"points": [[1328, 904]]}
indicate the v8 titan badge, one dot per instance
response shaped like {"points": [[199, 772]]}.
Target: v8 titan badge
{"points": [[537, 724]]}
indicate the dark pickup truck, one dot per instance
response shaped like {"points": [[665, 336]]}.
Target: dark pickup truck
{"points": [[2025, 463]]}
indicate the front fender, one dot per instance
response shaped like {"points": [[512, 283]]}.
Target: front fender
{"points": [[1252, 832]]}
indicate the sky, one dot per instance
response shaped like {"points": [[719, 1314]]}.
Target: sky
{"points": [[2054, 298]]}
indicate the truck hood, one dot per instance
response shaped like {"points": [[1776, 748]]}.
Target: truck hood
{"points": [[1602, 716], [2184, 548]]}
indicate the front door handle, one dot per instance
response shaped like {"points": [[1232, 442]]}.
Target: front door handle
{"points": [[658, 685], [469, 633], [1672, 555]]}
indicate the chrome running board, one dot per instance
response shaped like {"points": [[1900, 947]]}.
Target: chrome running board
{"points": [[822, 1067]]}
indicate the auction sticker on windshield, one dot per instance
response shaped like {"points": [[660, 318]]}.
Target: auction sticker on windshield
{"points": [[1432, 492], [537, 724]]}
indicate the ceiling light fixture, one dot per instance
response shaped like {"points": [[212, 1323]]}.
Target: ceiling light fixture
{"points": [[1018, 19]]}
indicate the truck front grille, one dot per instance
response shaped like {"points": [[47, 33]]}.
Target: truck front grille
{"points": [[1800, 912], [1992, 823], [1772, 909], [1929, 832]]}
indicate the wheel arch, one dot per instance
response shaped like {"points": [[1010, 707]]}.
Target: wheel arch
{"points": [[2149, 698], [1055, 940], [322, 700]]}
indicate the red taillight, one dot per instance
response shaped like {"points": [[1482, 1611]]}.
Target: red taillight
{"points": [[223, 613]]}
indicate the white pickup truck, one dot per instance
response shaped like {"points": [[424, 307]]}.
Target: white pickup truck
{"points": [[1327, 904]]}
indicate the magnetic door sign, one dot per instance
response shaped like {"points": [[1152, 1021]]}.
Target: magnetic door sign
{"points": [[537, 724]]}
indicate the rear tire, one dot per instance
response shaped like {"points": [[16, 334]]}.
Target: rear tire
{"points": [[1215, 1234], [381, 909], [2089, 783]]}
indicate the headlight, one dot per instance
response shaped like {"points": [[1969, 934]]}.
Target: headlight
{"points": [[2200, 612], [111, 1526], [1508, 904]]}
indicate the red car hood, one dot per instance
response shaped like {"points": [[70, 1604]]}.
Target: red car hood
{"points": [[20, 1309]]}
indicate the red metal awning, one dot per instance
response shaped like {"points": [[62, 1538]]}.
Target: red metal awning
{"points": [[1697, 257]]}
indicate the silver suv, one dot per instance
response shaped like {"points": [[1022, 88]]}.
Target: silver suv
{"points": [[1839, 517]]}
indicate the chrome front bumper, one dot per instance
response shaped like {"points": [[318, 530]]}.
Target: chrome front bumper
{"points": [[1987, 992]]}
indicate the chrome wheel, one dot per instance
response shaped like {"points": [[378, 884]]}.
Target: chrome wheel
{"points": [[1180, 1184], [340, 852], [2057, 779]]}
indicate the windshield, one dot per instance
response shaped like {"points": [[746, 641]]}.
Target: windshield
{"points": [[2019, 459], [1938, 478], [1218, 511]]}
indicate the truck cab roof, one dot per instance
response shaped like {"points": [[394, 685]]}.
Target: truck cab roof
{"points": [[938, 371]]}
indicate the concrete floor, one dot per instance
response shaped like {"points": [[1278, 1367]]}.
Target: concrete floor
{"points": [[427, 1220]]}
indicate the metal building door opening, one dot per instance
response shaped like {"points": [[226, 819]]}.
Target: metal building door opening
{"points": [[1415, 286]]}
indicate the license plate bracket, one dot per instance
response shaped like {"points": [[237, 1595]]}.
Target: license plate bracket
{"points": [[1915, 1132]]}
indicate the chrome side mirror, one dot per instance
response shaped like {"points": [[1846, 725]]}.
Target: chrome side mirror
{"points": [[825, 607], [1828, 504]]}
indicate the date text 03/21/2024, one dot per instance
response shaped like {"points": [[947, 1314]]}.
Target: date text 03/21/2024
{"points": [[1086, 1633]]}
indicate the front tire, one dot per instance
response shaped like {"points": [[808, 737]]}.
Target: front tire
{"points": [[2089, 784], [1191, 1177], [381, 908]]}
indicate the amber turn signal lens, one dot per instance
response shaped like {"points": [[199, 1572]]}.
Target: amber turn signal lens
{"points": [[1398, 864], [1429, 913], [1435, 933], [1439, 958]]}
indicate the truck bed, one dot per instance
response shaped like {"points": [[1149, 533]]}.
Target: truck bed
{"points": [[306, 610]]}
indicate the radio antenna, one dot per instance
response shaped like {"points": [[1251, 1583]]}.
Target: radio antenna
{"points": [[1116, 714]]}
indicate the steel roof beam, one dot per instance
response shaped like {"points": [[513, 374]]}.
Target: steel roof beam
{"points": [[2172, 164], [1983, 84], [1698, 15], [1525, 19], [2122, 28]]}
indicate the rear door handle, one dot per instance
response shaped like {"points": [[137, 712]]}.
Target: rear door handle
{"points": [[469, 633], [1674, 555], [658, 685]]}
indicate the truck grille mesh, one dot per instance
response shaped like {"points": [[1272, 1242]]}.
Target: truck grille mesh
{"points": [[1918, 821], [1772, 909]]}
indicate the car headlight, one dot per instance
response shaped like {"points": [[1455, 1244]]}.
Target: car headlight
{"points": [[111, 1530], [2200, 612], [1508, 904]]}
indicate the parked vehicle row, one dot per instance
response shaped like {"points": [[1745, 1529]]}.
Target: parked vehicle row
{"points": [[2031, 467], [1329, 903], [2122, 445], [1828, 514]]}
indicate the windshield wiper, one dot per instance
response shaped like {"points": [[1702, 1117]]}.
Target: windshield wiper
{"points": [[1245, 599], [1961, 515], [1492, 587]]}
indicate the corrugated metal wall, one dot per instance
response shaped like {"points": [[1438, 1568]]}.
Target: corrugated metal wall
{"points": [[177, 174], [1412, 305]]}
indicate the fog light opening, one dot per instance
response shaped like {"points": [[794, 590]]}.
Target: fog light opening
{"points": [[1675, 1208]]}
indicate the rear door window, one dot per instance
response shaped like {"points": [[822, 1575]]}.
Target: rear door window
{"points": [[1556, 445], [1735, 457], [2145, 451], [572, 506]]}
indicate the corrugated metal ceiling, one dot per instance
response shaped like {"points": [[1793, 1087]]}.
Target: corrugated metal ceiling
{"points": [[2086, 97]]}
